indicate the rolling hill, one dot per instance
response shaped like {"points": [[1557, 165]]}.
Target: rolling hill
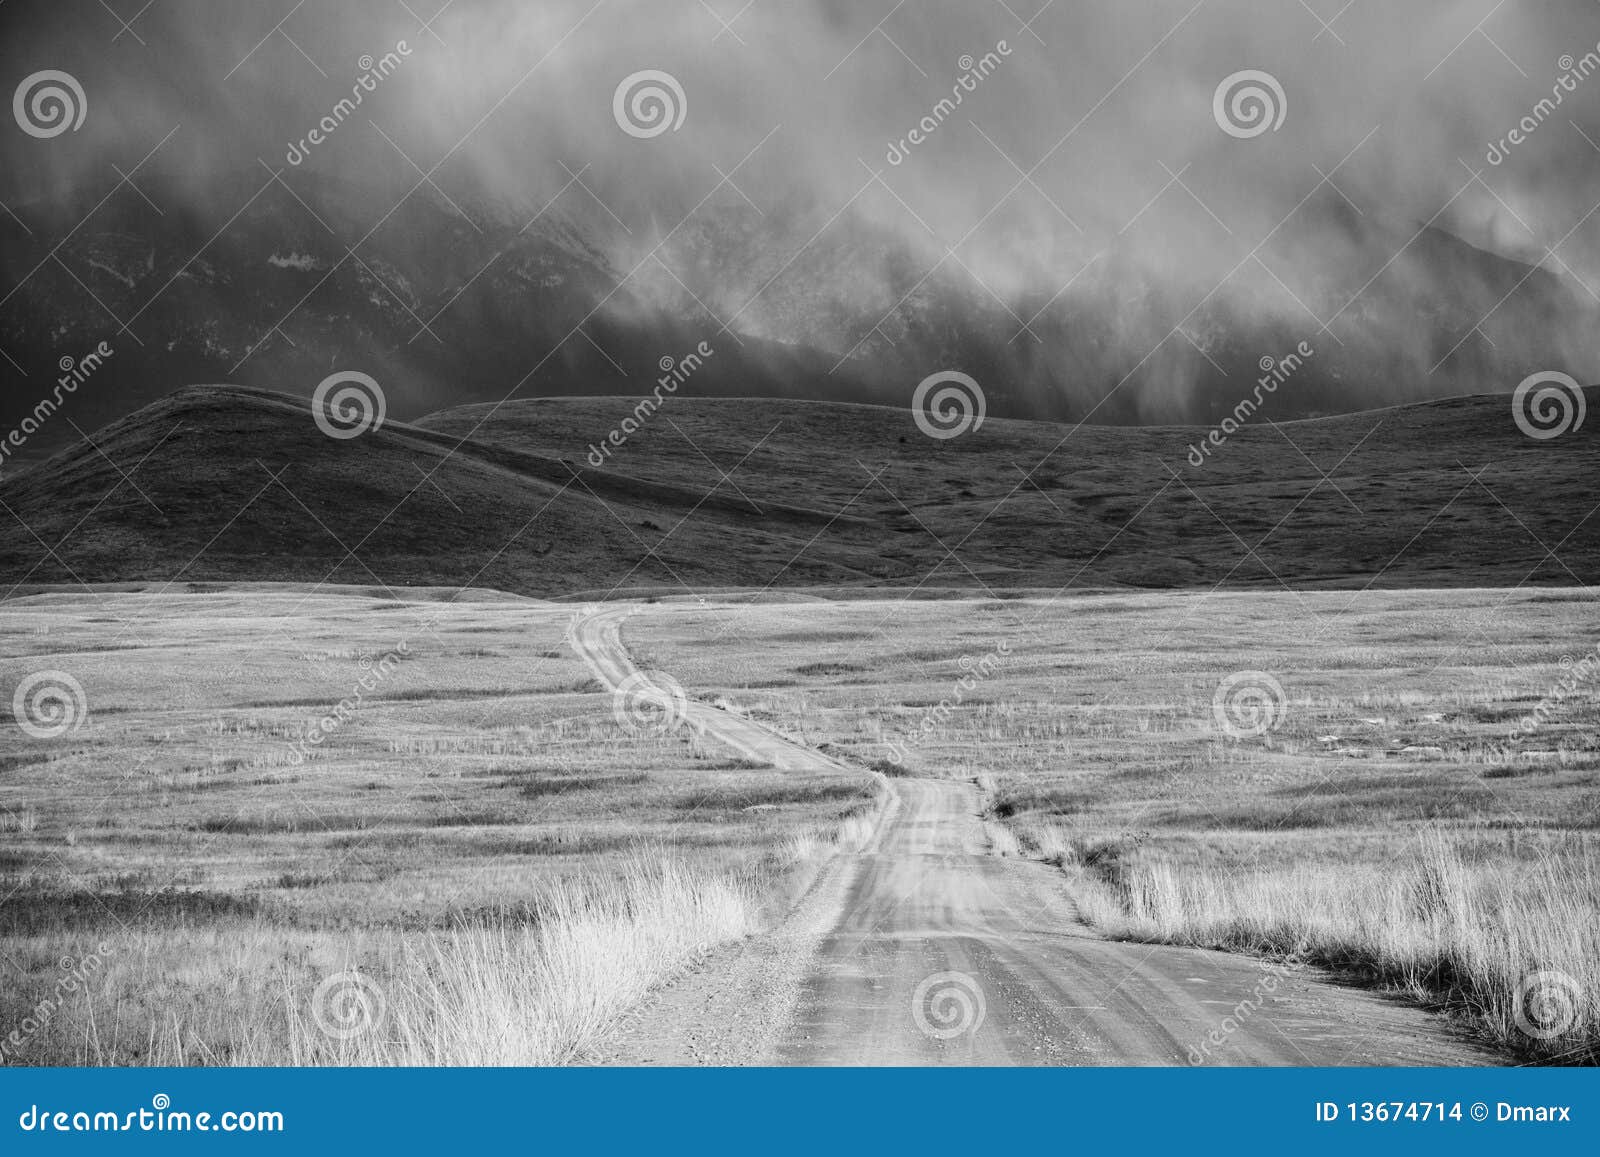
{"points": [[232, 483]]}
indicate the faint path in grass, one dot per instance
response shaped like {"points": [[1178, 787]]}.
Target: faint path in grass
{"points": [[597, 637], [926, 948]]}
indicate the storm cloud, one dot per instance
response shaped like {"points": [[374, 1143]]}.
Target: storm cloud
{"points": [[1086, 158]]}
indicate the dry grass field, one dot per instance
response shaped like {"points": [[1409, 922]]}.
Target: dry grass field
{"points": [[473, 854], [1382, 823], [286, 814]]}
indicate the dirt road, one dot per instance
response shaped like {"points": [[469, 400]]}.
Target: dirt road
{"points": [[596, 636], [926, 948]]}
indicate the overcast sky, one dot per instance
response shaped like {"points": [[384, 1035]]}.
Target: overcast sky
{"points": [[1107, 104]]}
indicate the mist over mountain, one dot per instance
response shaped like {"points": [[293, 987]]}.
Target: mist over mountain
{"points": [[475, 308], [1079, 234]]}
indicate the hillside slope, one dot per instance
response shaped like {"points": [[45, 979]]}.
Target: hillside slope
{"points": [[1440, 493], [228, 483]]}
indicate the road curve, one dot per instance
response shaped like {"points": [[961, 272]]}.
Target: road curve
{"points": [[596, 635], [927, 949]]}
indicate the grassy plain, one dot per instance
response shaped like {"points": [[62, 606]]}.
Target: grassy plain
{"points": [[485, 863], [477, 858], [1385, 825]]}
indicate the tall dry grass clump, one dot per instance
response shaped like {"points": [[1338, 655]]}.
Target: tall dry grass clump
{"points": [[532, 992], [1515, 946], [542, 992], [538, 985], [535, 986]]}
